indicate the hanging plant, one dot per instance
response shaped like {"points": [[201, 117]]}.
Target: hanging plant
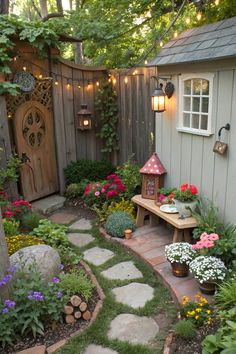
{"points": [[106, 109]]}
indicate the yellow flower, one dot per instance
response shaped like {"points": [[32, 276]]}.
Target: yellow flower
{"points": [[196, 317], [208, 312], [198, 309], [191, 313], [209, 320]]}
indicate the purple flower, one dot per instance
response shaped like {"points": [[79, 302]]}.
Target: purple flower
{"points": [[12, 269], [30, 297], [9, 303], [30, 292], [5, 310], [5, 280], [35, 295], [55, 280], [61, 266], [59, 294]]}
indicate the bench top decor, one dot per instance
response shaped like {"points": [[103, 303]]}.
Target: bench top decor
{"points": [[152, 180]]}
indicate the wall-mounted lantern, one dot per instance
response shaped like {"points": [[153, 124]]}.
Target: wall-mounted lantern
{"points": [[84, 121], [160, 93]]}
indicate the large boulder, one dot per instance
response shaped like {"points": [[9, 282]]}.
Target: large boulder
{"points": [[45, 258]]}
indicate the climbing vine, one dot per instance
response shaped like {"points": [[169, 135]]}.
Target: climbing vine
{"points": [[106, 108], [39, 34]]}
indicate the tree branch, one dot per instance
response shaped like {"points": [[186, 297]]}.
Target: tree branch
{"points": [[53, 14]]}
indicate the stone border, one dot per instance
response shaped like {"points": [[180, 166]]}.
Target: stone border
{"points": [[168, 341], [56, 346]]}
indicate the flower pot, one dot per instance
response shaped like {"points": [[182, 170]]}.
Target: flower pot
{"points": [[208, 287], [128, 234], [184, 207], [179, 269]]}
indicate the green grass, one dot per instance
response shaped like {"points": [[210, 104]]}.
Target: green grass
{"points": [[97, 332]]}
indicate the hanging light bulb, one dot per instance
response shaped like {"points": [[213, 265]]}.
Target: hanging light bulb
{"points": [[114, 81], [14, 58], [68, 85], [145, 62], [9, 115], [40, 76], [217, 2], [109, 80], [175, 34], [187, 20], [97, 83], [89, 86], [161, 44], [126, 80], [79, 87], [56, 83], [199, 16], [24, 68]]}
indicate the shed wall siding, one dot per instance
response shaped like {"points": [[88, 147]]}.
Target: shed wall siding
{"points": [[189, 158]]}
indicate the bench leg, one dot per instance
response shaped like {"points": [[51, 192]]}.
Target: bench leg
{"points": [[140, 216], [154, 220], [178, 235], [187, 237]]}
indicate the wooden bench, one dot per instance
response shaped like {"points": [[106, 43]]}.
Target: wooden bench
{"points": [[182, 227]]}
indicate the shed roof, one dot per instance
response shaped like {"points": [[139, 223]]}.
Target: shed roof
{"points": [[209, 42]]}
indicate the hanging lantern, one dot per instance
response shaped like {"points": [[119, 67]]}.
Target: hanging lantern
{"points": [[158, 99], [84, 121]]}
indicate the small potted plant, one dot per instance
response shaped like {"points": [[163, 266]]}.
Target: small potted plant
{"points": [[186, 199], [180, 254], [209, 271], [165, 196]]}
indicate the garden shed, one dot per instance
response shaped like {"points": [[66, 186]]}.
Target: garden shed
{"points": [[201, 63]]}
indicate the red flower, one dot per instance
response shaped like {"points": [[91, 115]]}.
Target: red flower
{"points": [[193, 189], [183, 187], [112, 193], [112, 176]]}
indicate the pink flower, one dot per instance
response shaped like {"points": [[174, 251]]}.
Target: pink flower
{"points": [[97, 193], [103, 190], [213, 237], [204, 236]]}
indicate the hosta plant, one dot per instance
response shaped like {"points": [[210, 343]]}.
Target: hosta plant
{"points": [[180, 252], [208, 269]]}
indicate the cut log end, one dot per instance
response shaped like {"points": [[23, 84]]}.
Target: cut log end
{"points": [[68, 310], [75, 300], [70, 319], [87, 315], [77, 314], [83, 306]]}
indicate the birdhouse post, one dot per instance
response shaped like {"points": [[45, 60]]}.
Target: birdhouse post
{"points": [[152, 177]]}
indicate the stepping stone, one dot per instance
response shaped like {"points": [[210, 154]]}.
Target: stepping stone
{"points": [[79, 239], [63, 217], [98, 349], [82, 224], [134, 294], [97, 255], [49, 204], [133, 329], [122, 271]]}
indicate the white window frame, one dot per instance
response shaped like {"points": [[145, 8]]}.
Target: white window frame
{"points": [[182, 79]]}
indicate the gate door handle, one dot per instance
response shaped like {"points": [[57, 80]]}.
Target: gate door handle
{"points": [[25, 158]]}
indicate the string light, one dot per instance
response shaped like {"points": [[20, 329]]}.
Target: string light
{"points": [[89, 86], [15, 58], [109, 80], [56, 83], [175, 34], [79, 87], [217, 2], [68, 85], [24, 68], [97, 83], [40, 76], [126, 80], [199, 16], [187, 20], [161, 44], [9, 115], [114, 81], [145, 62]]}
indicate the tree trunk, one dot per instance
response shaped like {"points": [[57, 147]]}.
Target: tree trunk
{"points": [[43, 8], [79, 53], [4, 260], [4, 7], [59, 6]]}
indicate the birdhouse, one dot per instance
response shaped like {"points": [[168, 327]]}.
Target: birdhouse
{"points": [[152, 177]]}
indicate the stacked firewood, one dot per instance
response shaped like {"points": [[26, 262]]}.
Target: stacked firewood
{"points": [[76, 309]]}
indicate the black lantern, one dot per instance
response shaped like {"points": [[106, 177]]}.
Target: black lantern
{"points": [[159, 94], [84, 121]]}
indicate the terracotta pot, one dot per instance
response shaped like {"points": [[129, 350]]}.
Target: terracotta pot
{"points": [[128, 234], [208, 287], [179, 269]]}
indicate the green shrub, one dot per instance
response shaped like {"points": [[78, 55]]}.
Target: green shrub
{"points": [[225, 297], [75, 190], [118, 222], [11, 227], [130, 175], [76, 171], [31, 221], [77, 282], [185, 329]]}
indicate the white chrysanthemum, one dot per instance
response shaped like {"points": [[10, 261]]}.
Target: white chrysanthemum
{"points": [[208, 268], [180, 252]]}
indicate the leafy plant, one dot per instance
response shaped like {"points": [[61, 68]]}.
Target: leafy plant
{"points": [[88, 170], [225, 297], [166, 191], [16, 242], [186, 193], [118, 222], [75, 190], [11, 227], [31, 221], [106, 108], [77, 282], [10, 172], [130, 175], [224, 340], [110, 208], [185, 329]]}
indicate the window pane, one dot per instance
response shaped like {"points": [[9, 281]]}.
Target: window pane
{"points": [[196, 104], [187, 87], [197, 83], [187, 101], [205, 87], [195, 121], [205, 101], [187, 120], [204, 120]]}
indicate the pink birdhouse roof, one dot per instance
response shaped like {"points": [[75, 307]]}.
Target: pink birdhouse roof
{"points": [[153, 166]]}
